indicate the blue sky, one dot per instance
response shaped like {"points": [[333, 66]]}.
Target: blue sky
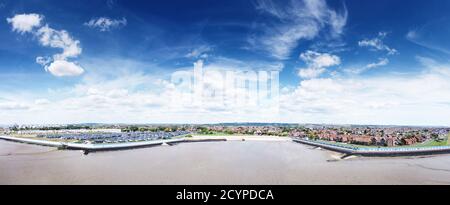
{"points": [[349, 61]]}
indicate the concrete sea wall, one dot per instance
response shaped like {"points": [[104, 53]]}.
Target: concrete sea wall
{"points": [[93, 147], [386, 151]]}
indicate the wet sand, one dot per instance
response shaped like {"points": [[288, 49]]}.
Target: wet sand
{"points": [[233, 162]]}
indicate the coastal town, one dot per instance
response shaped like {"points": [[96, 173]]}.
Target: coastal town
{"points": [[378, 136], [178, 146]]}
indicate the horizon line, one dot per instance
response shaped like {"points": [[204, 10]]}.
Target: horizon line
{"points": [[219, 123]]}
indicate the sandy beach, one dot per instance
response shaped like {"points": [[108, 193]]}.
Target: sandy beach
{"points": [[241, 137], [231, 162]]}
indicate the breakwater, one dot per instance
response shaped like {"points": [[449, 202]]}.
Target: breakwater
{"points": [[105, 146]]}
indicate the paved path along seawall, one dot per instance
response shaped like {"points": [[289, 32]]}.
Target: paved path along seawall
{"points": [[98, 147], [382, 151]]}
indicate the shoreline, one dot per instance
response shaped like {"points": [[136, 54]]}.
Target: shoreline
{"points": [[134, 145], [91, 147], [347, 151], [378, 152]]}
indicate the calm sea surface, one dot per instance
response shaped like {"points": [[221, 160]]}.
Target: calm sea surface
{"points": [[249, 162]]}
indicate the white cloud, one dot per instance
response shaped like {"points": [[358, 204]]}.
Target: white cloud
{"points": [[59, 39], [310, 72], [120, 91], [105, 23], [316, 59], [392, 99], [381, 62], [58, 64], [299, 20], [23, 23], [44, 61], [338, 21], [13, 106], [317, 63], [378, 44], [130, 96], [41, 101], [62, 68]]}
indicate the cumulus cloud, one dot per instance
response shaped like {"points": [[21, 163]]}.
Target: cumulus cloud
{"points": [[62, 68], [23, 23], [377, 44], [316, 59], [299, 20], [120, 91], [310, 72], [105, 23], [128, 97], [393, 99], [317, 63], [58, 64], [59, 39]]}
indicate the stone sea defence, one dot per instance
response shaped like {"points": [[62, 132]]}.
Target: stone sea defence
{"points": [[96, 147], [378, 151]]}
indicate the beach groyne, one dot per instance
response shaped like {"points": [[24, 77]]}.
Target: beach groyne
{"points": [[377, 151]]}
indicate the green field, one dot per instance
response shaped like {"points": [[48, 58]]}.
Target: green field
{"points": [[431, 143]]}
